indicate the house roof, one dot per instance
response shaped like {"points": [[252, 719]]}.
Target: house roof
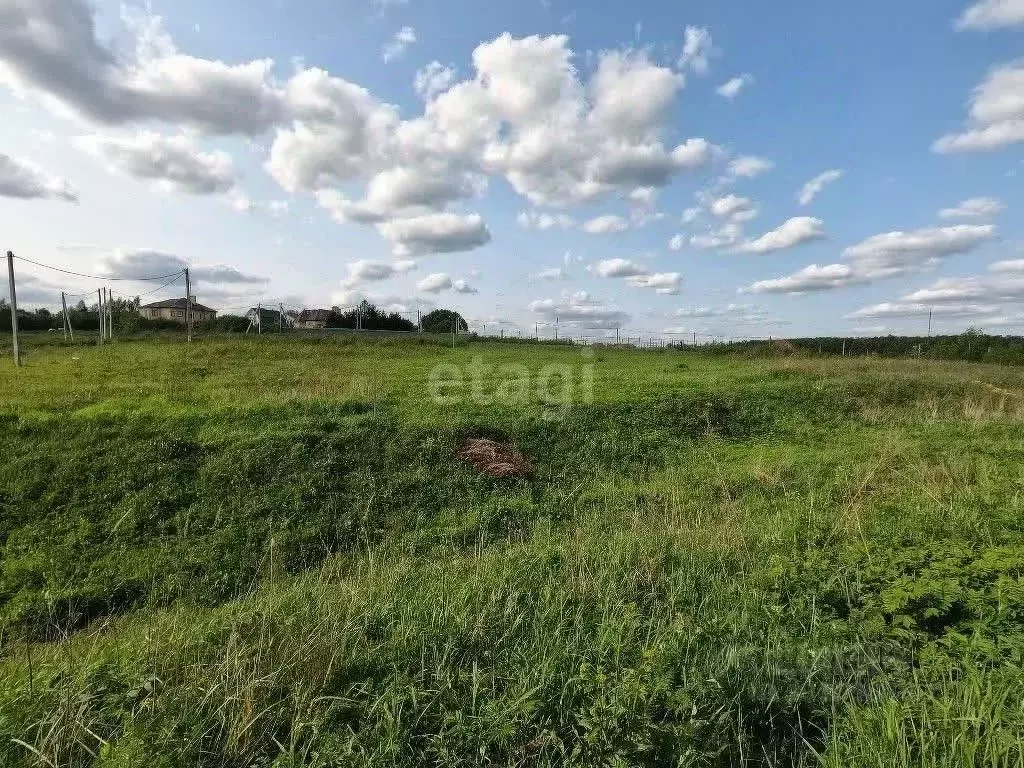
{"points": [[176, 304], [314, 315]]}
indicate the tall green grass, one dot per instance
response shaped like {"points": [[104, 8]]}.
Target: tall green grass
{"points": [[263, 552]]}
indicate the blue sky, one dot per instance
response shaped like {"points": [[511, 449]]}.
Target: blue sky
{"points": [[637, 165]]}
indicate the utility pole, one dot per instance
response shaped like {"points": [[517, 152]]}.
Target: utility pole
{"points": [[99, 314], [280, 318], [419, 320], [64, 304], [929, 323], [536, 331], [556, 327], [259, 318], [188, 307], [616, 334], [110, 315], [14, 307]]}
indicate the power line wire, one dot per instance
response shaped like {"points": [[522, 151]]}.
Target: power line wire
{"points": [[147, 293], [100, 277], [169, 282]]}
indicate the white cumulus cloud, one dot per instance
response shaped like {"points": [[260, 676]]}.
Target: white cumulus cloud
{"points": [[525, 115], [1011, 265], [50, 51], [897, 252], [697, 50], [435, 283], [432, 79], [397, 45], [881, 256], [581, 310], [731, 88], [811, 278], [793, 232], [173, 162], [729, 234], [637, 275], [734, 208], [21, 179], [618, 268], [605, 225], [666, 283], [436, 233], [544, 221], [990, 14], [996, 112], [749, 167], [914, 309], [136, 264], [813, 188], [551, 273], [366, 270], [974, 207]]}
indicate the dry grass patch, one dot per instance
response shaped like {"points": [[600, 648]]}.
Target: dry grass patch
{"points": [[494, 459]]}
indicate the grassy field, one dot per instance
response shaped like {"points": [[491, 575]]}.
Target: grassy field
{"points": [[265, 552]]}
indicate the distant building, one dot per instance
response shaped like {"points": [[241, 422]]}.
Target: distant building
{"points": [[313, 319], [174, 310], [268, 317]]}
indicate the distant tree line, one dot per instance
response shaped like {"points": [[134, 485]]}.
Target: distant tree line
{"points": [[85, 317], [971, 345], [39, 320], [42, 319], [368, 317], [127, 319], [371, 318]]}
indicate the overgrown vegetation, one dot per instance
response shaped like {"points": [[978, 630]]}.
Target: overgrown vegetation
{"points": [[971, 345], [370, 318], [265, 551]]}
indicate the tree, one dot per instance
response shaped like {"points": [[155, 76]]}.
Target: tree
{"points": [[370, 318], [39, 320], [444, 321]]}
